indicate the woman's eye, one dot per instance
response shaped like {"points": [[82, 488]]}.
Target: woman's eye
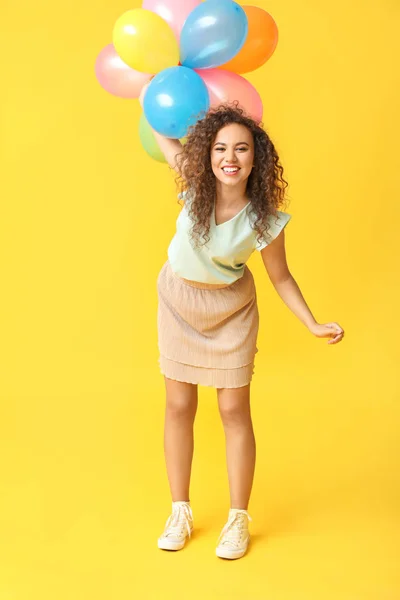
{"points": [[243, 148]]}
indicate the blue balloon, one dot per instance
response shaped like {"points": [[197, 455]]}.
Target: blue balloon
{"points": [[213, 33], [175, 99]]}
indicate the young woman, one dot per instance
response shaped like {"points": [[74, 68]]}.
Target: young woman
{"points": [[231, 184]]}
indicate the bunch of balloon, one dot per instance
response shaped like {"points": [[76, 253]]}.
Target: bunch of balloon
{"points": [[192, 55]]}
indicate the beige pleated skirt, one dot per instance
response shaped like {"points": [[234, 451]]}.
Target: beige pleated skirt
{"points": [[207, 334]]}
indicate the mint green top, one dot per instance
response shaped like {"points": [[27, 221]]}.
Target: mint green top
{"points": [[223, 258]]}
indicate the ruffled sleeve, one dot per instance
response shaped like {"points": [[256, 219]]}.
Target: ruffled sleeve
{"points": [[276, 224]]}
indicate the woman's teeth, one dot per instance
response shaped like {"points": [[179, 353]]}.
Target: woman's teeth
{"points": [[230, 170]]}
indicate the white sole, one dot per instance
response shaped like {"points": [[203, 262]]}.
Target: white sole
{"points": [[231, 555]]}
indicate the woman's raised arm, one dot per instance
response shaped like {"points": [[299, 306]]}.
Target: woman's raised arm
{"points": [[170, 147]]}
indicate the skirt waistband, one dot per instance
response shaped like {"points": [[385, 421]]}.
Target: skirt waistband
{"points": [[199, 284], [204, 286]]}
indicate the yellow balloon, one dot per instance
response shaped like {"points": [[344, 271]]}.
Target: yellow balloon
{"points": [[145, 41]]}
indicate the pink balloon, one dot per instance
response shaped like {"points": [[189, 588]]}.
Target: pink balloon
{"points": [[225, 86], [175, 12], [116, 77]]}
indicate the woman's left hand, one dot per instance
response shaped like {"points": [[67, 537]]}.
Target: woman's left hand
{"points": [[332, 330]]}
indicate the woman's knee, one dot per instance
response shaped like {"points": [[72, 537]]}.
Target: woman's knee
{"points": [[234, 407], [234, 415], [181, 399]]}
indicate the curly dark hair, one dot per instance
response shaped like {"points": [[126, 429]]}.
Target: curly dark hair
{"points": [[265, 185]]}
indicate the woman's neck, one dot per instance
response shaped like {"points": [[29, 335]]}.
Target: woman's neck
{"points": [[228, 196]]}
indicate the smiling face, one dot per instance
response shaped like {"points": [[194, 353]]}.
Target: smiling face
{"points": [[232, 154]]}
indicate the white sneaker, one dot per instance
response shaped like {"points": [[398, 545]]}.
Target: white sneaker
{"points": [[235, 536], [178, 527]]}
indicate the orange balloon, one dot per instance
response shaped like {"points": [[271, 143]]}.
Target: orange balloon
{"points": [[261, 41]]}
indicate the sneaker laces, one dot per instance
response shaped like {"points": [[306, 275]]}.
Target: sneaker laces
{"points": [[232, 531], [178, 520]]}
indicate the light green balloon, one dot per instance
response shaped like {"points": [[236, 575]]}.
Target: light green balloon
{"points": [[148, 140]]}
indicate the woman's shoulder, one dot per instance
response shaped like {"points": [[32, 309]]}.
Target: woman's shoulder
{"points": [[278, 217], [187, 197], [276, 222]]}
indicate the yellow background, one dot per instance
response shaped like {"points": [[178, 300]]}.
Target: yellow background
{"points": [[86, 219]]}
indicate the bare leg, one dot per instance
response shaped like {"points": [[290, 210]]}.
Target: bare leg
{"points": [[234, 408], [180, 412]]}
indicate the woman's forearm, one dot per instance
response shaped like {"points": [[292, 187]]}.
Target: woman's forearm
{"points": [[169, 147], [291, 295]]}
